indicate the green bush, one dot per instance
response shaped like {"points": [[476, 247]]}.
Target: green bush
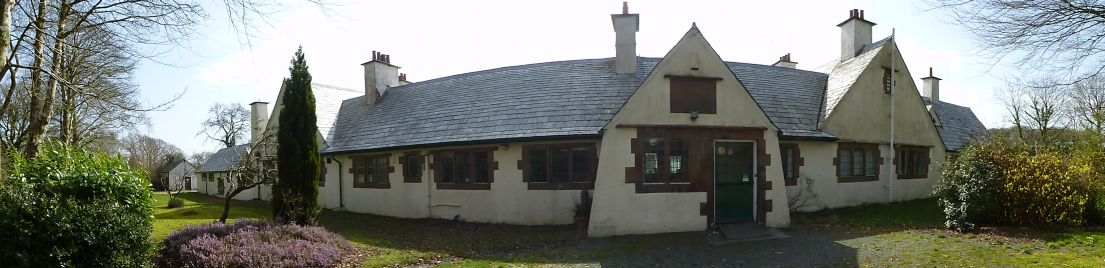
{"points": [[176, 202], [1044, 189], [71, 207], [970, 189]]}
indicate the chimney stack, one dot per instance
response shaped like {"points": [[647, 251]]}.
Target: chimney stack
{"points": [[625, 40], [379, 76], [785, 62], [932, 87], [258, 121], [855, 32]]}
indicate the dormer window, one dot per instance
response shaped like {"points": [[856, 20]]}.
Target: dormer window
{"points": [[693, 94]]}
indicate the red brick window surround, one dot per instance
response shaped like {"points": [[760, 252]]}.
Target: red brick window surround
{"points": [[371, 171], [465, 169], [912, 162], [857, 162], [570, 166]]}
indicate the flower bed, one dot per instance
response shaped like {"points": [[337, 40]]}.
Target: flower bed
{"points": [[253, 244]]}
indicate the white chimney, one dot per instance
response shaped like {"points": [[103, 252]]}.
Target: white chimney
{"points": [[379, 76], [785, 62], [258, 121], [625, 41], [854, 34], [932, 87]]}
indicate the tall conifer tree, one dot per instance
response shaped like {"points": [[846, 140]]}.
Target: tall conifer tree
{"points": [[295, 195]]}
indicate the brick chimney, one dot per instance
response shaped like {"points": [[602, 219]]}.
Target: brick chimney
{"points": [[785, 62], [932, 87], [379, 76], [403, 79], [855, 32], [258, 121], [625, 40]]}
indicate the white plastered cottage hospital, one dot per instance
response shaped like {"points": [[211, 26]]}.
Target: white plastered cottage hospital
{"points": [[676, 143]]}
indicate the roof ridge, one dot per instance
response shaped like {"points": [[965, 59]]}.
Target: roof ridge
{"points": [[498, 69]]}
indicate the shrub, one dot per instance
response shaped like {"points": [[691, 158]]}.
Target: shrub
{"points": [[1044, 189], [971, 186], [71, 207], [253, 244], [176, 202]]}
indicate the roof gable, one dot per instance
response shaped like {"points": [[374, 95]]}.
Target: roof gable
{"points": [[328, 100], [844, 75]]}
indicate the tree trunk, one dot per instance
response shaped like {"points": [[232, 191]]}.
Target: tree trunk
{"points": [[6, 33], [37, 127], [226, 208]]}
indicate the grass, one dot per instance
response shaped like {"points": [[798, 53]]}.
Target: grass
{"points": [[389, 241], [898, 234]]}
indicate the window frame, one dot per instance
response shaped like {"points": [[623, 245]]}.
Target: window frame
{"points": [[572, 183], [917, 162], [406, 159], [664, 161], [795, 163], [367, 160], [491, 167], [864, 149], [886, 80]]}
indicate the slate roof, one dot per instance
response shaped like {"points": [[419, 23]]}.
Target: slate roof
{"points": [[958, 124], [567, 99], [167, 167], [328, 101], [224, 159], [845, 74]]}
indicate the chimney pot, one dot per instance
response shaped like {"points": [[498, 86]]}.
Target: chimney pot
{"points": [[625, 7], [861, 14]]}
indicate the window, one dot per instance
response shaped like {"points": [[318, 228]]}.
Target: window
{"points": [[465, 169], [693, 94], [912, 162], [857, 162], [559, 166], [886, 80], [791, 162], [322, 174], [664, 161], [412, 167], [371, 172]]}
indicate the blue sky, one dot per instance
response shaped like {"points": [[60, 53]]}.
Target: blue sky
{"points": [[431, 39]]}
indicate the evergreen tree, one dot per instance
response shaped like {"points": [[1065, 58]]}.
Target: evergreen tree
{"points": [[295, 195]]}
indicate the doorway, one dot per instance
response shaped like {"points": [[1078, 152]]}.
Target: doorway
{"points": [[734, 181]]}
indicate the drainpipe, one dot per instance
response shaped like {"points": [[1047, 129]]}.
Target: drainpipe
{"points": [[893, 153], [341, 196]]}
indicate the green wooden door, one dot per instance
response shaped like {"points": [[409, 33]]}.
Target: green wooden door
{"points": [[734, 182]]}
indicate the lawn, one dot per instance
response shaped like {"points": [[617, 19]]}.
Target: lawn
{"points": [[899, 234]]}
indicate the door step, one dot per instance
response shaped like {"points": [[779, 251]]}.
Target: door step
{"points": [[744, 232]]}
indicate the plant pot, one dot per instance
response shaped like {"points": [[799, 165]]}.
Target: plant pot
{"points": [[581, 224]]}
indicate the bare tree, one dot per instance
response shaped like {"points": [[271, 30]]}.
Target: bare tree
{"points": [[1087, 99], [1046, 109], [197, 159], [252, 169], [149, 154], [227, 123], [1013, 98], [1046, 36]]}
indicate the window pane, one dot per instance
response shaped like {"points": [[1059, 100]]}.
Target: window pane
{"points": [[677, 161], [788, 162], [412, 166], [359, 170], [382, 170], [480, 167], [558, 164], [583, 168], [448, 167], [463, 163], [846, 163], [654, 151], [857, 162], [871, 164], [538, 165]]}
